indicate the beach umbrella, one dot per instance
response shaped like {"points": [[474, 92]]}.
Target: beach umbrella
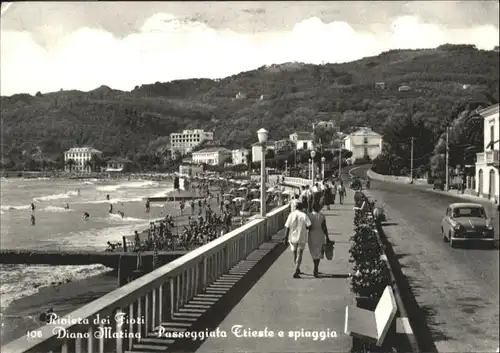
{"points": [[255, 200], [254, 190], [245, 183], [239, 199], [270, 190], [242, 189]]}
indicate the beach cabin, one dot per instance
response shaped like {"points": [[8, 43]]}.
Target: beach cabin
{"points": [[117, 166]]}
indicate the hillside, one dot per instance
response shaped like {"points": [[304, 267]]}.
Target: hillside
{"points": [[293, 95]]}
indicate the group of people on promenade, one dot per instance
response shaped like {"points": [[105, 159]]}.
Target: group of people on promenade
{"points": [[307, 225]]}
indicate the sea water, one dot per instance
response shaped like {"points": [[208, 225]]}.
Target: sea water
{"points": [[58, 228]]}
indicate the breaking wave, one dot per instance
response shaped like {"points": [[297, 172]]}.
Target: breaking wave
{"points": [[5, 208], [55, 209], [117, 200], [65, 195], [17, 281], [128, 185]]}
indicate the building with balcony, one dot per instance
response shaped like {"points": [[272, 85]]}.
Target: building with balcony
{"points": [[487, 177], [239, 156], [77, 159], [190, 170], [212, 156], [185, 141], [302, 140], [363, 143]]}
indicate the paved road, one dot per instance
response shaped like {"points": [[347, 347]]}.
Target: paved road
{"points": [[458, 288]]}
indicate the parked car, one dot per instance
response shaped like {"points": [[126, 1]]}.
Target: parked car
{"points": [[467, 222]]}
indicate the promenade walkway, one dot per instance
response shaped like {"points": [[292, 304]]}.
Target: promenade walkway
{"points": [[279, 302]]}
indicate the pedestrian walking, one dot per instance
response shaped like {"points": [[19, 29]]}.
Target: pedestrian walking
{"points": [[297, 224], [342, 192], [318, 237], [328, 195]]}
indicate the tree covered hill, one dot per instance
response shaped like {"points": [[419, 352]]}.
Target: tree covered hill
{"points": [[282, 98]]}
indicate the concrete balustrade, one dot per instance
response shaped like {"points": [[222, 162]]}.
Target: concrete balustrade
{"points": [[137, 308]]}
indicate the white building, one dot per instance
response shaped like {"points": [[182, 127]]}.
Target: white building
{"points": [[240, 156], [257, 150], [80, 156], [212, 156], [364, 142], [487, 161], [185, 141], [302, 140]]}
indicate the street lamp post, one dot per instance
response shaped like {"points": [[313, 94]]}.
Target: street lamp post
{"points": [[262, 136], [313, 169], [309, 169], [286, 168], [323, 160]]}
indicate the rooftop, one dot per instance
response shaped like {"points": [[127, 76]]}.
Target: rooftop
{"points": [[83, 149], [492, 109], [213, 149], [364, 131], [303, 135]]}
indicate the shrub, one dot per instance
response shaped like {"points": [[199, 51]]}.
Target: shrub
{"points": [[370, 274]]}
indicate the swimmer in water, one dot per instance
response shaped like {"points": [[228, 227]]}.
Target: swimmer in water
{"points": [[107, 197], [32, 206], [110, 208], [86, 215], [78, 192], [66, 206], [122, 214], [33, 220]]}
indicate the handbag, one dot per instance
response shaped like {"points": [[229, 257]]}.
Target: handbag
{"points": [[328, 250]]}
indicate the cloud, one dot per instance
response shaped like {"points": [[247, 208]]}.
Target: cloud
{"points": [[167, 48]]}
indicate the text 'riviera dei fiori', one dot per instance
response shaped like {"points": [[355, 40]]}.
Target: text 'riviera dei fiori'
{"points": [[106, 326]]}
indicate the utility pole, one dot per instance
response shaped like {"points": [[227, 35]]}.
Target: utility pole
{"points": [[411, 162], [446, 185]]}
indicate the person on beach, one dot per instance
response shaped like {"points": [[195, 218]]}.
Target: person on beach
{"points": [[148, 206], [32, 219], [318, 237], [192, 207], [181, 206], [33, 207], [297, 224], [334, 192], [107, 197], [110, 208]]}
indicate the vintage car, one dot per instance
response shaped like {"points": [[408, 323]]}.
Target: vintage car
{"points": [[467, 222]]}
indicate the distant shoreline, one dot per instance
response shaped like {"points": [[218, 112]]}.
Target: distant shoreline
{"points": [[79, 176]]}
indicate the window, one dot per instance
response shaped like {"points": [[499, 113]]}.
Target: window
{"points": [[492, 136], [304, 145], [366, 151], [365, 140]]}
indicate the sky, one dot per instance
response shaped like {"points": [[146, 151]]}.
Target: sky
{"points": [[49, 46]]}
